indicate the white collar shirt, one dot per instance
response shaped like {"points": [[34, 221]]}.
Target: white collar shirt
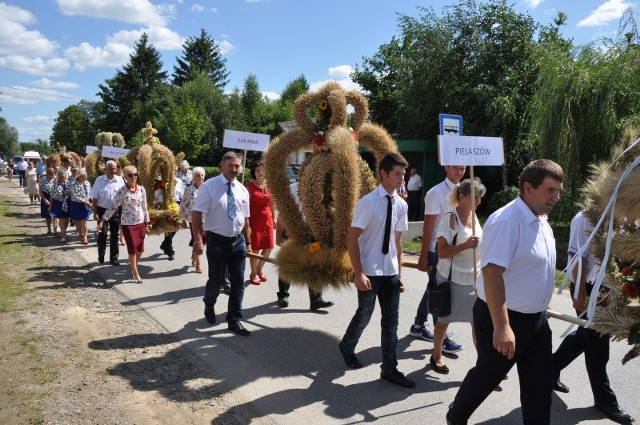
{"points": [[579, 232], [414, 183], [436, 202], [370, 215], [104, 190], [212, 203], [523, 243]]}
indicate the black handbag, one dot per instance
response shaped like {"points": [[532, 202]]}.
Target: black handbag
{"points": [[439, 295]]}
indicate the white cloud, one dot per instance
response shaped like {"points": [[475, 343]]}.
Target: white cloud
{"points": [[197, 7], [32, 133], [340, 71], [112, 55], [50, 84], [533, 3], [40, 119], [131, 11], [271, 95], [226, 47], [346, 84], [161, 38], [35, 66], [16, 39], [606, 12], [22, 96]]}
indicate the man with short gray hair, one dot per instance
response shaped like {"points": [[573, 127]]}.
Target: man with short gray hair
{"points": [[103, 193]]}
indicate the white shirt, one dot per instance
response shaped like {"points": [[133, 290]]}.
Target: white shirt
{"points": [[370, 215], [104, 190], [23, 165], [521, 242], [414, 183], [462, 268], [178, 191], [579, 232], [436, 202], [212, 203]]}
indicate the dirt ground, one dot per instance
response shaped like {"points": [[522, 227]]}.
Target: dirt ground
{"points": [[75, 352]]}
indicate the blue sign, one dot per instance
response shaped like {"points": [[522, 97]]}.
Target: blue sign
{"points": [[450, 125]]}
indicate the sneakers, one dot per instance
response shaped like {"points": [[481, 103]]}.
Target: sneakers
{"points": [[421, 332], [450, 346], [398, 378]]}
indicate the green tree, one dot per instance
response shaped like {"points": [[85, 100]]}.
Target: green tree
{"points": [[253, 104], [8, 139], [73, 129], [130, 89], [40, 145], [201, 55]]}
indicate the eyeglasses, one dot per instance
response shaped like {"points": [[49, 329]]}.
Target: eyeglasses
{"points": [[132, 174]]}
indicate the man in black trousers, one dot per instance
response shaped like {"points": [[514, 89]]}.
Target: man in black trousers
{"points": [[594, 346]]}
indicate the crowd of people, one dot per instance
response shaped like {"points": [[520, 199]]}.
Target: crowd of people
{"points": [[501, 275]]}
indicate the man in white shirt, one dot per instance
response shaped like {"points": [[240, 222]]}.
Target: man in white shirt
{"points": [[102, 195], [514, 290], [584, 340], [414, 190], [224, 203], [22, 171], [375, 249], [436, 205]]}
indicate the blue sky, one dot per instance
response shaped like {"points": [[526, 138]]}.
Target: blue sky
{"points": [[55, 52]]}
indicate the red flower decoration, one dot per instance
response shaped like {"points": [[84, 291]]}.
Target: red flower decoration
{"points": [[318, 139], [152, 222], [170, 219], [354, 134]]}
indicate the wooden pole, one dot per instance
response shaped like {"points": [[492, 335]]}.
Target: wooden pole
{"points": [[473, 228], [244, 164]]}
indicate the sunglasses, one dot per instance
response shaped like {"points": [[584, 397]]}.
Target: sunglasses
{"points": [[132, 174]]}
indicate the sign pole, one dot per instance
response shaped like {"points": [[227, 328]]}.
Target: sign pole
{"points": [[244, 164], [473, 229]]}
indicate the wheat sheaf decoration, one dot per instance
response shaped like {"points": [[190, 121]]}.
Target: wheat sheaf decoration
{"points": [[330, 181], [156, 166], [612, 204]]}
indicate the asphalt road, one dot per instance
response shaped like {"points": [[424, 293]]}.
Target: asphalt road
{"points": [[290, 369]]}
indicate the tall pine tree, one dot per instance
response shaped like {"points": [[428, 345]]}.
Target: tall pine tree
{"points": [[133, 86], [201, 55]]}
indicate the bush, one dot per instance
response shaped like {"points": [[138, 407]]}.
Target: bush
{"points": [[503, 197]]}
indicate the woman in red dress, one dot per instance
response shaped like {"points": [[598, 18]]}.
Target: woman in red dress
{"points": [[260, 221]]}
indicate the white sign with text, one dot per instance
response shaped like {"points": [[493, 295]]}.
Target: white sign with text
{"points": [[470, 150], [245, 141], [113, 152], [88, 149]]}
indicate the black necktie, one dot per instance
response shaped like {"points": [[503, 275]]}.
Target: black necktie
{"points": [[387, 228]]}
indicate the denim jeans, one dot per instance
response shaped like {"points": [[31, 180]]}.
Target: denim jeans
{"points": [[423, 311], [387, 290], [223, 254]]}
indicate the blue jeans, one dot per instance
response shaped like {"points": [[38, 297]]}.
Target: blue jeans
{"points": [[387, 289], [423, 311], [222, 254]]}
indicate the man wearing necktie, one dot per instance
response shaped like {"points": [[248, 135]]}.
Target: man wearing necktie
{"points": [[224, 203], [376, 256]]}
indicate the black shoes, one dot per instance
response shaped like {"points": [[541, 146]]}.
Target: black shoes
{"points": [[101, 259], [398, 378], [115, 263], [350, 359], [439, 369], [316, 305], [209, 314], [226, 289], [615, 413], [451, 421], [239, 329], [560, 387], [283, 302], [171, 256]]}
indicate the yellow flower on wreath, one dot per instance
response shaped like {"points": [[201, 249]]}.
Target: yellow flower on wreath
{"points": [[323, 104], [314, 247]]}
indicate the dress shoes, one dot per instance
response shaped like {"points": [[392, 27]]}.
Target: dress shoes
{"points": [[209, 314], [283, 302], [350, 359], [439, 369], [171, 256], [226, 289], [316, 305], [398, 378], [115, 263], [450, 421], [100, 259], [560, 387], [239, 329], [615, 413]]}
